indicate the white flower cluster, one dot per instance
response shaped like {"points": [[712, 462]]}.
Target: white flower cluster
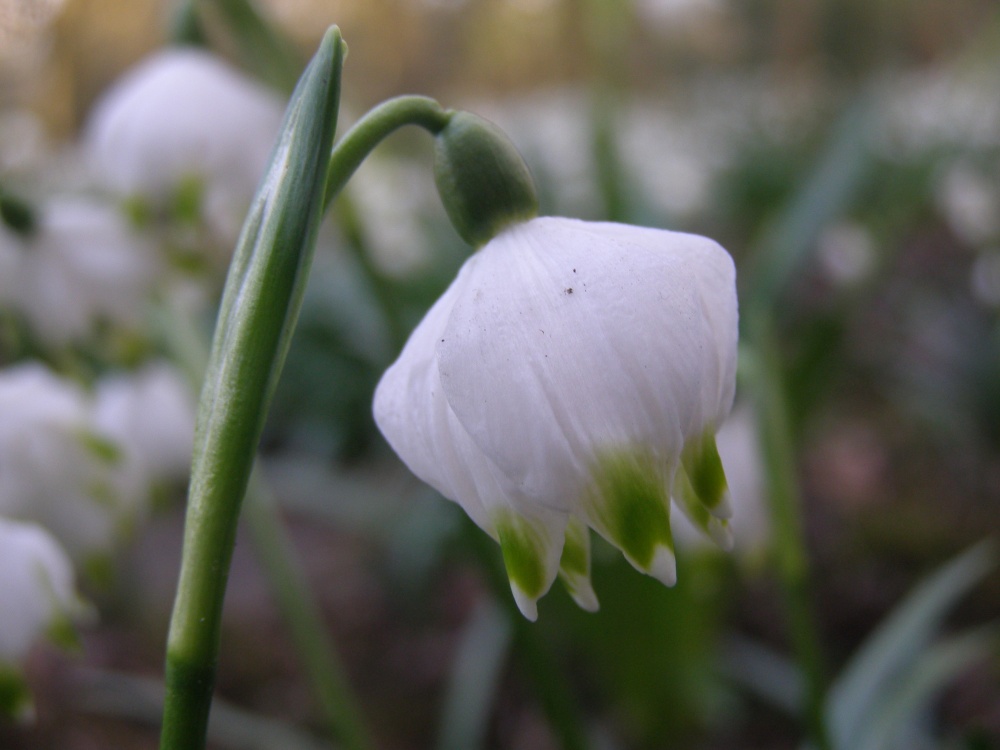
{"points": [[77, 469], [146, 205], [161, 180]]}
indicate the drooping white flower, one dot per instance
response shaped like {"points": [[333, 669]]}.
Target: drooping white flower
{"points": [[572, 376], [182, 117], [39, 600], [81, 266], [149, 414], [55, 469], [37, 587]]}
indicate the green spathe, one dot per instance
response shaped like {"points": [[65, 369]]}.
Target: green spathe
{"points": [[262, 297], [483, 181]]}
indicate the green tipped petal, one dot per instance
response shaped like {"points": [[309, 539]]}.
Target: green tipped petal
{"points": [[701, 461], [525, 549], [574, 565], [698, 514], [631, 508]]}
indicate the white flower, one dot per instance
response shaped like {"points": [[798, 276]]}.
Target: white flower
{"points": [[82, 265], [740, 451], [184, 115], [150, 415], [39, 600], [36, 588], [573, 375], [54, 468]]}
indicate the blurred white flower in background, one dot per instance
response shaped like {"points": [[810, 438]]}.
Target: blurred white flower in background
{"points": [[81, 265], [150, 415], [82, 465], [847, 253], [39, 599], [939, 107], [573, 375], [56, 472], [391, 197], [184, 120], [970, 202]]}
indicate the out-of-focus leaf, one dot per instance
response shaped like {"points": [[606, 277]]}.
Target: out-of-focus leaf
{"points": [[475, 679], [913, 691], [766, 673], [262, 49], [856, 699], [826, 194]]}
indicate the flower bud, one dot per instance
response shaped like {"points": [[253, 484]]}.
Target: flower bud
{"points": [[482, 179]]}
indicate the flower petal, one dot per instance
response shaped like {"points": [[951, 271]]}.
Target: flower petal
{"points": [[707, 477], [413, 415], [628, 504], [566, 339], [574, 565]]}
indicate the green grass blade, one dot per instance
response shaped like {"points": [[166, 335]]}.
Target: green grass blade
{"points": [[898, 642]]}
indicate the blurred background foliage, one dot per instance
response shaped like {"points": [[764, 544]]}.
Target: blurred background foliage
{"points": [[847, 152]]}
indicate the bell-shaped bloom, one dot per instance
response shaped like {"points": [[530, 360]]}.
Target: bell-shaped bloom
{"points": [[184, 118], [82, 267], [70, 464], [39, 599], [573, 376]]}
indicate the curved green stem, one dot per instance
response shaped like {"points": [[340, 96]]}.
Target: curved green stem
{"points": [[316, 649], [260, 304], [790, 547], [371, 129], [320, 660]]}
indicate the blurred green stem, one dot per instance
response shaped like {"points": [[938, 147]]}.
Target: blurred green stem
{"points": [[765, 380], [552, 691], [316, 652]]}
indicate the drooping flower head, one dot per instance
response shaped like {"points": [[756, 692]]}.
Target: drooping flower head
{"points": [[572, 376], [185, 120], [39, 599]]}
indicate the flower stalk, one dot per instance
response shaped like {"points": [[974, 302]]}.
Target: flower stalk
{"points": [[791, 559], [260, 305], [373, 128]]}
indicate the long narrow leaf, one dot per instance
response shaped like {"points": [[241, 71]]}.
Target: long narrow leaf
{"points": [[475, 679], [260, 304], [786, 244], [915, 690], [897, 643]]}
